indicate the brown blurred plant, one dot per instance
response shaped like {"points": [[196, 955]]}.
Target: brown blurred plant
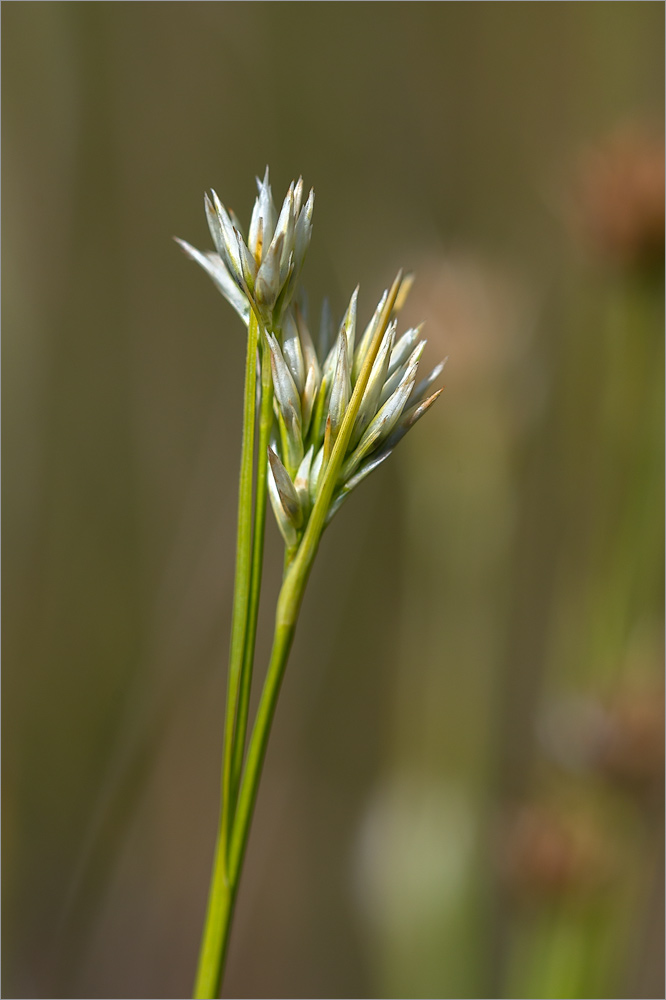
{"points": [[620, 738], [616, 200], [548, 852]]}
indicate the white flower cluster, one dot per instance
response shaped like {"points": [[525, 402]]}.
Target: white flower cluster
{"points": [[313, 384], [263, 272]]}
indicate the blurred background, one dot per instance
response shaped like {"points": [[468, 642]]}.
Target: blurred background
{"points": [[463, 795]]}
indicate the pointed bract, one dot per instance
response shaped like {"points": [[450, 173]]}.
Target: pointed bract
{"points": [[349, 325], [262, 222], [404, 348], [315, 471], [286, 489], [302, 481], [303, 231], [405, 289], [421, 388], [286, 393], [267, 286], [382, 425], [214, 266], [370, 401], [341, 386], [284, 523], [308, 398], [394, 380], [366, 339], [291, 350]]}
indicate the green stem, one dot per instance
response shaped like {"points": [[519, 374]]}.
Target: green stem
{"points": [[220, 898], [226, 872], [242, 576], [216, 930], [282, 639], [265, 425], [235, 827]]}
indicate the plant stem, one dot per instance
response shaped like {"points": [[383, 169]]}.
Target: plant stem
{"points": [[265, 424], [242, 576], [220, 898], [236, 819], [216, 929], [227, 870], [282, 639]]}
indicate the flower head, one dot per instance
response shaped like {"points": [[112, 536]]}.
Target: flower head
{"points": [[314, 378], [311, 399], [262, 273]]}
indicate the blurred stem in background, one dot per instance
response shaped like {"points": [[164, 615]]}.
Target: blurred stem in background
{"points": [[544, 895], [594, 741]]}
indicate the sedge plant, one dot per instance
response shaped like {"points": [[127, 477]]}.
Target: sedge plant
{"points": [[320, 414]]}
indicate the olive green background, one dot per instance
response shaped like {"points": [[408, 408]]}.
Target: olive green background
{"points": [[497, 562]]}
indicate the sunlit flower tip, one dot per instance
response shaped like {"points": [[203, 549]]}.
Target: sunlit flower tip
{"points": [[262, 222], [420, 389], [398, 376], [215, 268], [224, 236], [298, 197], [409, 417], [285, 229], [291, 350], [267, 286], [405, 289], [287, 529], [415, 412], [286, 393], [384, 422], [404, 348], [349, 324], [303, 231], [286, 490], [248, 264], [373, 389], [366, 339]]}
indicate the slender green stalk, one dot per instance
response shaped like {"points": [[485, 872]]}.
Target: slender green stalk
{"points": [[224, 884], [242, 576], [297, 571], [237, 814], [282, 641], [265, 424], [216, 929], [215, 935]]}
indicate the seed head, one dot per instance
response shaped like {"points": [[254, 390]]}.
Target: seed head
{"points": [[259, 275], [391, 403], [314, 378]]}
